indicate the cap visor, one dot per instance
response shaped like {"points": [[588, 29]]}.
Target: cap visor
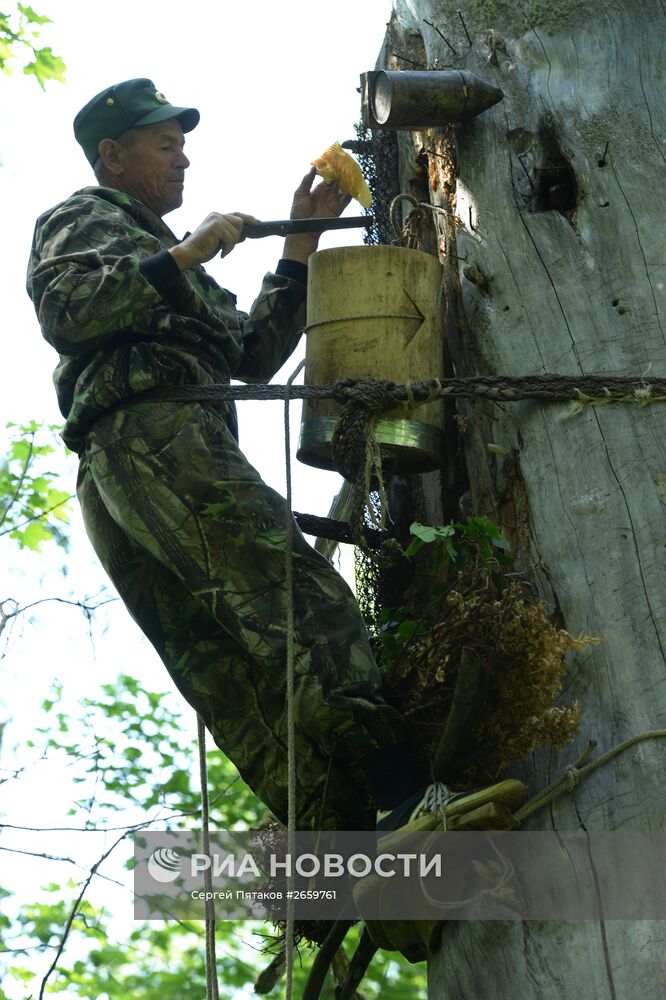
{"points": [[188, 117]]}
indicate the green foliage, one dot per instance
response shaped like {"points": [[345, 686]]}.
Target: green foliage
{"points": [[475, 547], [33, 510], [167, 961], [19, 34], [127, 750], [457, 543], [171, 958]]}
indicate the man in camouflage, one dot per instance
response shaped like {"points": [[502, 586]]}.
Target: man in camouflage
{"points": [[191, 537]]}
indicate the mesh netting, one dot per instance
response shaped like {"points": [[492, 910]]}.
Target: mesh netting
{"points": [[368, 575], [377, 154]]}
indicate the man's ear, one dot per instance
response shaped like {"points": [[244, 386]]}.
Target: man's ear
{"points": [[110, 153]]}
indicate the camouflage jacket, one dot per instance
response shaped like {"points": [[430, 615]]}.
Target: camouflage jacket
{"points": [[120, 330]]}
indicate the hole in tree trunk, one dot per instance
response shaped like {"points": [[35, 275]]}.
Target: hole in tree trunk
{"points": [[555, 190], [554, 185]]}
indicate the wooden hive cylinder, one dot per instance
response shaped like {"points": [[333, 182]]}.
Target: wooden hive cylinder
{"points": [[374, 310]]}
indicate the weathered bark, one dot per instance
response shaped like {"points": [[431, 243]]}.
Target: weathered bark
{"points": [[555, 236]]}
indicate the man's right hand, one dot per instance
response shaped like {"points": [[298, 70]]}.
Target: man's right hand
{"points": [[216, 234]]}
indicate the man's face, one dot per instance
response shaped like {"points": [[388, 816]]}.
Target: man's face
{"points": [[152, 165]]}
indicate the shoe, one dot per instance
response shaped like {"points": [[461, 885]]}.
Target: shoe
{"points": [[431, 798], [436, 800]]}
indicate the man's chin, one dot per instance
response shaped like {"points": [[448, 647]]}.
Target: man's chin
{"points": [[175, 201]]}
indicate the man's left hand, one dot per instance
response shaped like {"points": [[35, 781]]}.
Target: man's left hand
{"points": [[322, 201]]}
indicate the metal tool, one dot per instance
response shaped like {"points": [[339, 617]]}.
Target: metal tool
{"points": [[287, 227]]}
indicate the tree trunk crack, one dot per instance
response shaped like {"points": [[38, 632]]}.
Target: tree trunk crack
{"points": [[646, 589], [588, 582], [602, 922], [554, 287], [640, 247], [527, 312], [545, 55], [579, 92], [647, 105]]}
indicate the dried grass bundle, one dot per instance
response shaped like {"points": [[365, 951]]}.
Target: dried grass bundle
{"points": [[520, 654]]}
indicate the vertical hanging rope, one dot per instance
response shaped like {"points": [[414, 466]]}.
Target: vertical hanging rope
{"points": [[410, 234], [212, 987], [291, 750]]}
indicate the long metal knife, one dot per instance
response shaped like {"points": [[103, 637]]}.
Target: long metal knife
{"points": [[287, 227]]}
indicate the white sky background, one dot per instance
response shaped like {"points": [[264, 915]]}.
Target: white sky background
{"points": [[276, 83]]}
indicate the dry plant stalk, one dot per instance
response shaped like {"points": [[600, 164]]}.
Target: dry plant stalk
{"points": [[522, 656]]}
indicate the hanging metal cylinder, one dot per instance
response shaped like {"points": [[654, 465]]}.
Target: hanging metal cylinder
{"points": [[375, 311], [412, 99]]}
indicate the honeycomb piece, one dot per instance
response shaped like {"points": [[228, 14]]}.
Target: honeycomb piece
{"points": [[336, 166]]}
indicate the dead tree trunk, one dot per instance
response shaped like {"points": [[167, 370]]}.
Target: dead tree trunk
{"points": [[553, 226]]}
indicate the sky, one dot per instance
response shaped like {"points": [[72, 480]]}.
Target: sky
{"points": [[276, 83]]}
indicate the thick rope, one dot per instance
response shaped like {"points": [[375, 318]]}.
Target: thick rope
{"points": [[580, 389], [357, 456], [212, 987], [291, 669], [356, 452]]}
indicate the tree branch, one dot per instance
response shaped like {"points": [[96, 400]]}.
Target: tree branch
{"points": [[24, 472], [73, 912], [35, 517]]}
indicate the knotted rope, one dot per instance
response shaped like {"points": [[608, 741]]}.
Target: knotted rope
{"points": [[356, 453], [410, 233], [591, 390], [574, 773], [567, 782]]}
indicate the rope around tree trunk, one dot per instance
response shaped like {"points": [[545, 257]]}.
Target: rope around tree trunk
{"points": [[583, 389], [355, 450]]}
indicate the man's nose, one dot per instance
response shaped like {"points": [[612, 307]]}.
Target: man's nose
{"points": [[183, 160]]}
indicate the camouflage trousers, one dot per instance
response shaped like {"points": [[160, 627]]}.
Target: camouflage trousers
{"points": [[194, 542]]}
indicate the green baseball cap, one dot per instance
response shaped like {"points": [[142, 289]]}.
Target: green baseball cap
{"points": [[122, 106]]}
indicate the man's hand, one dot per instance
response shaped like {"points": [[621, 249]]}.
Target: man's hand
{"points": [[216, 234], [323, 201]]}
